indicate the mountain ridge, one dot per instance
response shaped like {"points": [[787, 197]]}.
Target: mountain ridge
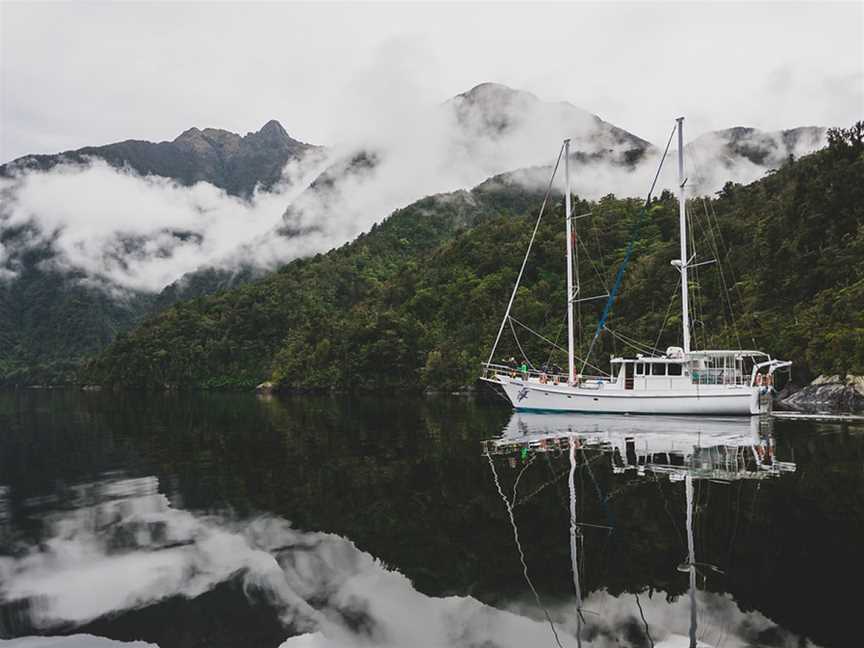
{"points": [[227, 160]]}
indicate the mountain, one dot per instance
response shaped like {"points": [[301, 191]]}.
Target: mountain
{"points": [[52, 320], [768, 149], [495, 112], [227, 160], [486, 131], [415, 302], [54, 314]]}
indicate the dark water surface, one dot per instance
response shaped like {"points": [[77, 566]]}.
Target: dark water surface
{"points": [[161, 518]]}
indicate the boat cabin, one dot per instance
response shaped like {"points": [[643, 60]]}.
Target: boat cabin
{"points": [[675, 370]]}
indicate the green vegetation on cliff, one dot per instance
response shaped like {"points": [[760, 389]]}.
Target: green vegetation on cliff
{"points": [[416, 301]]}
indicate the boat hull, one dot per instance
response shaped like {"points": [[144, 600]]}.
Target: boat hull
{"points": [[721, 400]]}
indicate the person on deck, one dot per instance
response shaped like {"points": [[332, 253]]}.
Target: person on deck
{"points": [[513, 366]]}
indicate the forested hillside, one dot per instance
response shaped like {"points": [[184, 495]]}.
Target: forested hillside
{"points": [[51, 320], [416, 302]]}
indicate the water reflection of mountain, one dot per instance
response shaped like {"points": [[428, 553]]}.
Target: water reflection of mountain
{"points": [[404, 480]]}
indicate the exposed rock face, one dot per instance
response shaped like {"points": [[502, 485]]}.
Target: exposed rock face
{"points": [[227, 160], [829, 394]]}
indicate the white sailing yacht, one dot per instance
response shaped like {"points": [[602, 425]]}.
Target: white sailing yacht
{"points": [[682, 380]]}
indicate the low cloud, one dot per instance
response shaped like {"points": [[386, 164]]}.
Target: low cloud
{"points": [[128, 232], [138, 232]]}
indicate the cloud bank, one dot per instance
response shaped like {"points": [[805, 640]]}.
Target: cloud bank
{"points": [[137, 232], [128, 232]]}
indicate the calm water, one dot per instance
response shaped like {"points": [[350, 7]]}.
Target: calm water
{"points": [[165, 518]]}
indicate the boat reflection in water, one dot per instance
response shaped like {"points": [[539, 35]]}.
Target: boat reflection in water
{"points": [[721, 449]]}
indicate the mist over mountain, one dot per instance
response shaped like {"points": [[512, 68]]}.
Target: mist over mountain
{"points": [[486, 131], [226, 160], [765, 148], [94, 239], [742, 154], [492, 112]]}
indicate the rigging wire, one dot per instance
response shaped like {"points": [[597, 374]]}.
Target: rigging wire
{"points": [[716, 252], [519, 476], [641, 347], [521, 350], [728, 253], [594, 266], [735, 525], [528, 580], [697, 307], [711, 239], [576, 240], [708, 233], [555, 478], [668, 309], [557, 337], [619, 277], [666, 506], [545, 339], [597, 241], [604, 500], [527, 254]]}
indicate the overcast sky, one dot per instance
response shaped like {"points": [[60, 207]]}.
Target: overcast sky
{"points": [[84, 74]]}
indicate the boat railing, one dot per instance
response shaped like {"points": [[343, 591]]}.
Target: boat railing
{"points": [[718, 376], [491, 371]]}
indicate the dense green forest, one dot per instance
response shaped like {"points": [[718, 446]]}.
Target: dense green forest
{"points": [[416, 302], [51, 319]]}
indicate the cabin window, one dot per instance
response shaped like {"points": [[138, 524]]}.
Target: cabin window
{"points": [[674, 369], [640, 369], [658, 369]]}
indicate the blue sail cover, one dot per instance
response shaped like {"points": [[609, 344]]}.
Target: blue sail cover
{"points": [[620, 276]]}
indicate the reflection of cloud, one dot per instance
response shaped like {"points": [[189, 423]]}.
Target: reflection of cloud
{"points": [[125, 547]]}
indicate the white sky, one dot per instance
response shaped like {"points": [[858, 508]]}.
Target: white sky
{"points": [[92, 73]]}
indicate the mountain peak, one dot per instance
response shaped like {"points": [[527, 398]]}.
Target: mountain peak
{"points": [[273, 130], [491, 91], [193, 133]]}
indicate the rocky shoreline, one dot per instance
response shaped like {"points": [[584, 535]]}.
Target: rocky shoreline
{"points": [[825, 394]]}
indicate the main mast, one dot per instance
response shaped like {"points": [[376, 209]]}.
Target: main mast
{"points": [[571, 365], [682, 216]]}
